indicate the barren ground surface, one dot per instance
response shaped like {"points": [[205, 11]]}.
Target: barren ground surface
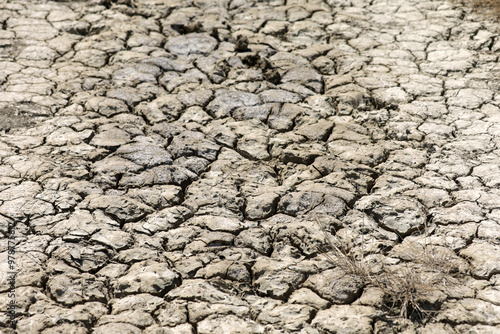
{"points": [[242, 166]]}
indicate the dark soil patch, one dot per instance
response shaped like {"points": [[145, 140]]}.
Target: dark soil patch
{"points": [[12, 117]]}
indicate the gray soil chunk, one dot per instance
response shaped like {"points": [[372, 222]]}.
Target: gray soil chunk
{"points": [[484, 259], [227, 101], [193, 143], [113, 137], [194, 43], [254, 238], [261, 206], [229, 324], [399, 214], [146, 277], [299, 202], [335, 286], [106, 106], [345, 319], [75, 289], [145, 154], [122, 208], [273, 278]]}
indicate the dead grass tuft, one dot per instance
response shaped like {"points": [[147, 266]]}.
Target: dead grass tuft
{"points": [[343, 257], [411, 289], [415, 278]]}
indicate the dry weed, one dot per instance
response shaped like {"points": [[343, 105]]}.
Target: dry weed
{"points": [[414, 285], [411, 289], [342, 255]]}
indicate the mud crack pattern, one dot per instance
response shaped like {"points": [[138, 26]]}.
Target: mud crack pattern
{"points": [[165, 163]]}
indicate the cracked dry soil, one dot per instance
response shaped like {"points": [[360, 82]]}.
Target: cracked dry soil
{"points": [[173, 166]]}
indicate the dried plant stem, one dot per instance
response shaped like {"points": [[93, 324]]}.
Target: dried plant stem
{"points": [[421, 280]]}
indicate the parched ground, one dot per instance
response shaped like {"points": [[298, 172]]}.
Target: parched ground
{"points": [[243, 166]]}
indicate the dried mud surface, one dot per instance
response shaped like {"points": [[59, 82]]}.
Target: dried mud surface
{"points": [[173, 166]]}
